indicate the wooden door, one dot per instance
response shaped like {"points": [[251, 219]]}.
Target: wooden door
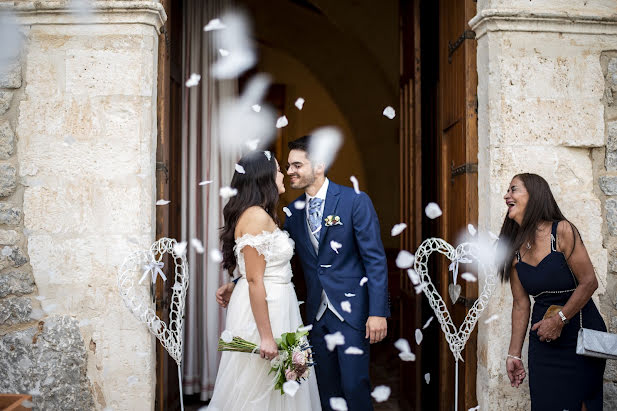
{"points": [[458, 197], [410, 138]]}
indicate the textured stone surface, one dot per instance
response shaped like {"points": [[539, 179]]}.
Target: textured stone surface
{"points": [[10, 75], [8, 180], [611, 146], [7, 140], [5, 101], [15, 310], [17, 257], [16, 283], [49, 361], [9, 215], [608, 184], [610, 396], [8, 237], [611, 215]]}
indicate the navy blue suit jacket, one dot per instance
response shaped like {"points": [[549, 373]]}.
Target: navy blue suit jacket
{"points": [[361, 255]]}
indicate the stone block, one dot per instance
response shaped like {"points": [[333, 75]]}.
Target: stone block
{"points": [[18, 257], [5, 101], [611, 370], [608, 184], [14, 310], [7, 140], [610, 395], [612, 72], [49, 360], [8, 180], [10, 74], [16, 283], [8, 237], [611, 215], [9, 215]]}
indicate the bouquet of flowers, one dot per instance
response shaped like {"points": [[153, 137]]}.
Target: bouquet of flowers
{"points": [[293, 362]]}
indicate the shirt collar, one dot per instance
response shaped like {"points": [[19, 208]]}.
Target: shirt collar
{"points": [[321, 193]]}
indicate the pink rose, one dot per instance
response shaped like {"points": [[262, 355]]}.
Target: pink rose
{"points": [[290, 375], [298, 358]]}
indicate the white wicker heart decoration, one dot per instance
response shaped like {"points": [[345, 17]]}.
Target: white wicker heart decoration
{"points": [[463, 253], [140, 265]]}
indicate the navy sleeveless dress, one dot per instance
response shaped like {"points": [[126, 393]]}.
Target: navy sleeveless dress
{"points": [[560, 379]]}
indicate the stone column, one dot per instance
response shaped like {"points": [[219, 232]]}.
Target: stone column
{"points": [[80, 103], [541, 94]]}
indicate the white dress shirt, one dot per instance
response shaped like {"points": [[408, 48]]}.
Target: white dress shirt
{"points": [[325, 301]]}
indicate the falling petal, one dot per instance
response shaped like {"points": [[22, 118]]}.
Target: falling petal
{"points": [[338, 404], [69, 140], [205, 182], [180, 248], [326, 265], [389, 112], [256, 108], [197, 245], [493, 236], [397, 229], [335, 246], [214, 24], [381, 393], [216, 255], [268, 155], [418, 336], [432, 211], [177, 287], [332, 340], [471, 229], [325, 143], [407, 356], [224, 52], [346, 306], [402, 345], [193, 80], [227, 336], [281, 122], [252, 144], [349, 295], [240, 169], [162, 202], [38, 297], [419, 288], [26, 404], [6, 251], [363, 281], [227, 192], [299, 103], [477, 407], [299, 205], [469, 277], [291, 387], [491, 319], [427, 377], [413, 276], [427, 323], [306, 328], [132, 380], [356, 185], [287, 211], [238, 40], [353, 351], [300, 303], [405, 259]]}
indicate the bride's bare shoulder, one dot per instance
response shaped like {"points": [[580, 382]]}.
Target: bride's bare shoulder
{"points": [[254, 220]]}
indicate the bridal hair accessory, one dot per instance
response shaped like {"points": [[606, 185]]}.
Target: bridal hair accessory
{"points": [[137, 300]]}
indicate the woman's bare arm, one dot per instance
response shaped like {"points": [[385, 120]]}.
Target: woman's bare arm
{"points": [[521, 307]]}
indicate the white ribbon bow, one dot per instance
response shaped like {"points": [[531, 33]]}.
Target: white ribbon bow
{"points": [[154, 268], [454, 265]]}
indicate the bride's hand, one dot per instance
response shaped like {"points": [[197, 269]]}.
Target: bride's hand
{"points": [[223, 294], [268, 349]]}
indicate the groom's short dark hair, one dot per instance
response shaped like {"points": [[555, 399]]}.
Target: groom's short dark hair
{"points": [[301, 143]]}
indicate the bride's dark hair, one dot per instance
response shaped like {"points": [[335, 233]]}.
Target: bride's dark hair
{"points": [[256, 187]]}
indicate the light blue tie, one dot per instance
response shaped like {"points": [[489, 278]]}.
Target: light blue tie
{"points": [[314, 216]]}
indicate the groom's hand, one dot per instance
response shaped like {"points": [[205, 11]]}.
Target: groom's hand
{"points": [[224, 293], [376, 328]]}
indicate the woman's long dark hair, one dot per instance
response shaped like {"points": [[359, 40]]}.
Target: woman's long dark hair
{"points": [[541, 206], [256, 187]]}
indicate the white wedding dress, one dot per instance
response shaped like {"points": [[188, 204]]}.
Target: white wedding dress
{"points": [[242, 382]]}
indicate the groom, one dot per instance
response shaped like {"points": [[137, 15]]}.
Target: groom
{"points": [[338, 242]]}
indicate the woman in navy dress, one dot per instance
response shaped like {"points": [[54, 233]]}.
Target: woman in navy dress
{"points": [[547, 260]]}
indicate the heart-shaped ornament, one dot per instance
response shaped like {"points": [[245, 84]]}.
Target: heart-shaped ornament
{"points": [[465, 252], [143, 264]]}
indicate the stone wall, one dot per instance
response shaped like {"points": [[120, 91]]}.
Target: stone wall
{"points": [[77, 193], [544, 108]]}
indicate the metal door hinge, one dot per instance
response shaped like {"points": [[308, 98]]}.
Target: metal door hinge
{"points": [[462, 169], [467, 35], [163, 167]]}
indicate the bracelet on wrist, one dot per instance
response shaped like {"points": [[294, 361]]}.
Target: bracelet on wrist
{"points": [[515, 357]]}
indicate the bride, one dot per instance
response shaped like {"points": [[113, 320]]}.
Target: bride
{"points": [[263, 304]]}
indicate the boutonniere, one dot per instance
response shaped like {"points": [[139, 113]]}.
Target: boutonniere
{"points": [[333, 220]]}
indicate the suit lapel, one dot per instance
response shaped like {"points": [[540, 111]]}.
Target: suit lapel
{"points": [[304, 231], [332, 197]]}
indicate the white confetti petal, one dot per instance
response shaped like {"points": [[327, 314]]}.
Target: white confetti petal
{"points": [[39, 297], [419, 288], [268, 155], [27, 404], [256, 108], [405, 259], [335, 246], [299, 103], [177, 287], [493, 236], [363, 281], [332, 340], [471, 229], [418, 336], [353, 351], [224, 52], [381, 393], [346, 306], [69, 140], [180, 248], [389, 112], [253, 143], [205, 182], [237, 39], [325, 143], [300, 303], [306, 328], [132, 380], [6, 251], [282, 122], [397, 229], [402, 345], [240, 169], [427, 323], [491, 319], [349, 295], [413, 276], [162, 202], [407, 356], [338, 404], [299, 205], [290, 388], [216, 255], [197, 245], [214, 24], [227, 336], [432, 211], [287, 211], [427, 377], [193, 80], [356, 185], [227, 192], [469, 277], [476, 408]]}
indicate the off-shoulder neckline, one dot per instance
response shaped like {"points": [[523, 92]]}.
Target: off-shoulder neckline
{"points": [[263, 233]]}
